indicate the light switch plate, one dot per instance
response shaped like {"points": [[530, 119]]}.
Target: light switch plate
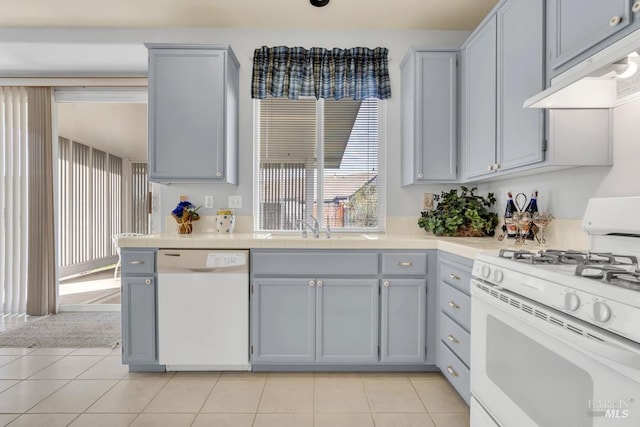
{"points": [[208, 202], [235, 202], [427, 201]]}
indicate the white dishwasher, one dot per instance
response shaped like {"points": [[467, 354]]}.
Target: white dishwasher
{"points": [[203, 310]]}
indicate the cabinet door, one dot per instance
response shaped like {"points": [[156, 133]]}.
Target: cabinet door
{"points": [[435, 116], [575, 26], [186, 114], [403, 323], [283, 320], [347, 321], [139, 320], [479, 70], [520, 75]]}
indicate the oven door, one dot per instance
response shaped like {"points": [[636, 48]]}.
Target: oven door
{"points": [[534, 366]]}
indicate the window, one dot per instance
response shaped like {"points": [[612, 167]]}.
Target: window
{"points": [[320, 158]]}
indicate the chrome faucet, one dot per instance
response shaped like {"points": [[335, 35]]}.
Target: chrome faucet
{"points": [[315, 227]]}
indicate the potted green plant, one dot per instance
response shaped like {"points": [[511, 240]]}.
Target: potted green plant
{"points": [[465, 214]]}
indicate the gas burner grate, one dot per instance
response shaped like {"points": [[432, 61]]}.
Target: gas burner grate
{"points": [[611, 274]]}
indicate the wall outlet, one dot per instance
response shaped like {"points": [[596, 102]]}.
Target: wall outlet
{"points": [[208, 202], [427, 201], [235, 202]]}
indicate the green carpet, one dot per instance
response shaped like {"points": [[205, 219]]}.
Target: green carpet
{"points": [[66, 330]]}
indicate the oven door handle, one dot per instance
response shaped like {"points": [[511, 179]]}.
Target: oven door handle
{"points": [[611, 352]]}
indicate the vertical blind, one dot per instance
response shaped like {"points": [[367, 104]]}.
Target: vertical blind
{"points": [[318, 158], [13, 200], [139, 198], [90, 195]]}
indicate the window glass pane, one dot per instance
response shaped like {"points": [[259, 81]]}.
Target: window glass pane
{"points": [[288, 169], [287, 132], [350, 190]]}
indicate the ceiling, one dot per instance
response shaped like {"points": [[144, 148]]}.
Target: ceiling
{"points": [[272, 14]]}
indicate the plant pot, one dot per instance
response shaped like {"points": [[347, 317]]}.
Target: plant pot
{"points": [[185, 227], [468, 232]]}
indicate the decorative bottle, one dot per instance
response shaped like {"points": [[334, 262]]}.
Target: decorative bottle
{"points": [[512, 229]]}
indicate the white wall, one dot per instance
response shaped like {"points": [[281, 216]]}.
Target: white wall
{"points": [[565, 193]]}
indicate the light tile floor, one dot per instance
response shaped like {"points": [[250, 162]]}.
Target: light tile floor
{"points": [[90, 387]]}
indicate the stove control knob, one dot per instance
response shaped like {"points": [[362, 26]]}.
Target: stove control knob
{"points": [[485, 271], [498, 276], [601, 312], [571, 301]]}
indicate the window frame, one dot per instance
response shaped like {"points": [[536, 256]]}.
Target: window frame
{"points": [[381, 210]]}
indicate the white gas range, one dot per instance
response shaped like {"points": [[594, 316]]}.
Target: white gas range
{"points": [[555, 337]]}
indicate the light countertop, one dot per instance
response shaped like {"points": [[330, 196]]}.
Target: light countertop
{"points": [[467, 247]]}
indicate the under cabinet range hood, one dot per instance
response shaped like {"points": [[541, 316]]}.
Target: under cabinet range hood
{"points": [[603, 80]]}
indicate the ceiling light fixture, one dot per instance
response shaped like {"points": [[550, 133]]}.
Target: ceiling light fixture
{"points": [[319, 3]]}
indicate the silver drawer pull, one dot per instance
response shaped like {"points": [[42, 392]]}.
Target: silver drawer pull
{"points": [[136, 262], [453, 339], [147, 282], [454, 277], [454, 305], [312, 283], [320, 283], [615, 20], [452, 372], [636, 7], [386, 283], [405, 263]]}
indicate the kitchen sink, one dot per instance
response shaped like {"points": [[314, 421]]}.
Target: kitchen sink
{"points": [[298, 236]]}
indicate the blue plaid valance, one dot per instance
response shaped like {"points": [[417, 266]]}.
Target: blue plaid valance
{"points": [[291, 72]]}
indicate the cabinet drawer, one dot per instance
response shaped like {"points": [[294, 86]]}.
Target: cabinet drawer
{"points": [[457, 276], [404, 263], [314, 264], [456, 338], [456, 304], [138, 262], [455, 371]]}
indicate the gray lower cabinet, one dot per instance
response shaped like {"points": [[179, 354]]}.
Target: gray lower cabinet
{"points": [[579, 28], [353, 308], [403, 320], [429, 116], [347, 321], [453, 352], [139, 310], [193, 113], [283, 320]]}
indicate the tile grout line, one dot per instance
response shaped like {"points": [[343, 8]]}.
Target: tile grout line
{"points": [[206, 399]]}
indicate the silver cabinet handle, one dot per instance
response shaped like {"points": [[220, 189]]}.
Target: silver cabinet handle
{"points": [[386, 283], [420, 175], [312, 283], [136, 262], [320, 283], [147, 282], [453, 339], [218, 174], [636, 6], [615, 20], [454, 305], [405, 264], [454, 277], [452, 372], [490, 168]]}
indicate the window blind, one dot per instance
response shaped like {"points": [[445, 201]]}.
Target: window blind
{"points": [[317, 158]]}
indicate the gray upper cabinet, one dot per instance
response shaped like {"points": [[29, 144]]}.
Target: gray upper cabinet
{"points": [[521, 74], [479, 98], [579, 28], [503, 64], [347, 321], [429, 116], [193, 113]]}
